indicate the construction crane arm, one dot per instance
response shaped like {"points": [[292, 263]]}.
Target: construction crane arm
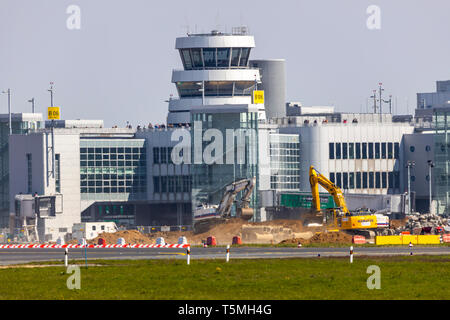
{"points": [[316, 178]]}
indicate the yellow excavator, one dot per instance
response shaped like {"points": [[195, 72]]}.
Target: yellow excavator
{"points": [[342, 218]]}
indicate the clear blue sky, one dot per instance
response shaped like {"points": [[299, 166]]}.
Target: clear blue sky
{"points": [[118, 66]]}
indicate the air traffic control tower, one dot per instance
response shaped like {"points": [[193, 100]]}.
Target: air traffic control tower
{"points": [[216, 75]]}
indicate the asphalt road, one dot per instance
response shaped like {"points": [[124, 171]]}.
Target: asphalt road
{"points": [[16, 256]]}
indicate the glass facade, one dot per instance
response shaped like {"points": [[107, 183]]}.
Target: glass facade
{"points": [[215, 88], [284, 162], [239, 160], [441, 171], [113, 169], [212, 58]]}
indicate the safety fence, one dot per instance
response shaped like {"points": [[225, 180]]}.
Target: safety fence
{"points": [[94, 246]]}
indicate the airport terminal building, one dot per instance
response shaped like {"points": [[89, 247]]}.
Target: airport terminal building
{"points": [[226, 133]]}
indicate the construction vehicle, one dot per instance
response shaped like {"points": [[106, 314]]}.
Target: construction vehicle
{"points": [[207, 215], [359, 222]]}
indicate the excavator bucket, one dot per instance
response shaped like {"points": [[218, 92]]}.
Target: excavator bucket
{"points": [[245, 213]]}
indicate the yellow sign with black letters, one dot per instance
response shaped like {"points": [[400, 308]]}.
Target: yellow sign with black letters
{"points": [[54, 113], [258, 97]]}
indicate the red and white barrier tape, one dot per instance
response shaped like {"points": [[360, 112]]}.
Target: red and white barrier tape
{"points": [[63, 246]]}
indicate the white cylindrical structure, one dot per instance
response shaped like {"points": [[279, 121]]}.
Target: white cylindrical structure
{"points": [[228, 252], [273, 78], [66, 257], [188, 255], [351, 254]]}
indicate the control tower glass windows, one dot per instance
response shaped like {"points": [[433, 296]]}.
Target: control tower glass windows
{"points": [[244, 57], [223, 57], [197, 60], [235, 54], [186, 56], [215, 88], [209, 57]]}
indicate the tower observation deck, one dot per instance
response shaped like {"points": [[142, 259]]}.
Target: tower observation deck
{"points": [[215, 72]]}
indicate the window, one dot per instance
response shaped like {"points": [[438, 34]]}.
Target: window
{"points": [[163, 184], [391, 180], [235, 54], [358, 180], [209, 57], [412, 149], [390, 151], [397, 179], [364, 180], [30, 173], [332, 179], [197, 58], [378, 180], [383, 150], [427, 148], [338, 180], [155, 155], [163, 155], [93, 228], [351, 151], [103, 227], [364, 150], [223, 57], [384, 180], [345, 180], [351, 180], [370, 150], [377, 150], [331, 150], [156, 185], [358, 150], [171, 183], [344, 151], [396, 150], [371, 180], [244, 57], [338, 150], [57, 173]]}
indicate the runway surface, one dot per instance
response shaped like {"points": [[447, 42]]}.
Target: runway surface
{"points": [[16, 256]]}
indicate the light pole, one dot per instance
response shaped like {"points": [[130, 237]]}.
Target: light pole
{"points": [[32, 104], [430, 165], [374, 101], [409, 165], [202, 90], [51, 90], [9, 109]]}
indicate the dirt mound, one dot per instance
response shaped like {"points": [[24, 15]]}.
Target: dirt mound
{"points": [[130, 236], [323, 237], [398, 223]]}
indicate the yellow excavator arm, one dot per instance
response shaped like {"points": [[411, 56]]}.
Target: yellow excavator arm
{"points": [[316, 178]]}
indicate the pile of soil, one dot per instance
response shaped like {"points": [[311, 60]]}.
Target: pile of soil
{"points": [[323, 237], [398, 223]]}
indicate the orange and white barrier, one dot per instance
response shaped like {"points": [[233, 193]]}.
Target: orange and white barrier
{"points": [[359, 239], [94, 246], [446, 237]]}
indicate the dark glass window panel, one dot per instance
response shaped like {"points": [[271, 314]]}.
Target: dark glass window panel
{"points": [[358, 150], [209, 57], [235, 53], [344, 151], [338, 150], [377, 180], [370, 150], [223, 57], [364, 150], [383, 180], [383, 150], [187, 61], [364, 180], [371, 180], [390, 150], [358, 180], [244, 57], [351, 150], [197, 58], [377, 150]]}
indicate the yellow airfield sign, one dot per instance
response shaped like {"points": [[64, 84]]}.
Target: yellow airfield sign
{"points": [[54, 113], [258, 97]]}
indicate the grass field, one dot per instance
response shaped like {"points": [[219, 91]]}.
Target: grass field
{"points": [[405, 277]]}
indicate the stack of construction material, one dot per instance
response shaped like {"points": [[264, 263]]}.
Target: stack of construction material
{"points": [[430, 222], [269, 234]]}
